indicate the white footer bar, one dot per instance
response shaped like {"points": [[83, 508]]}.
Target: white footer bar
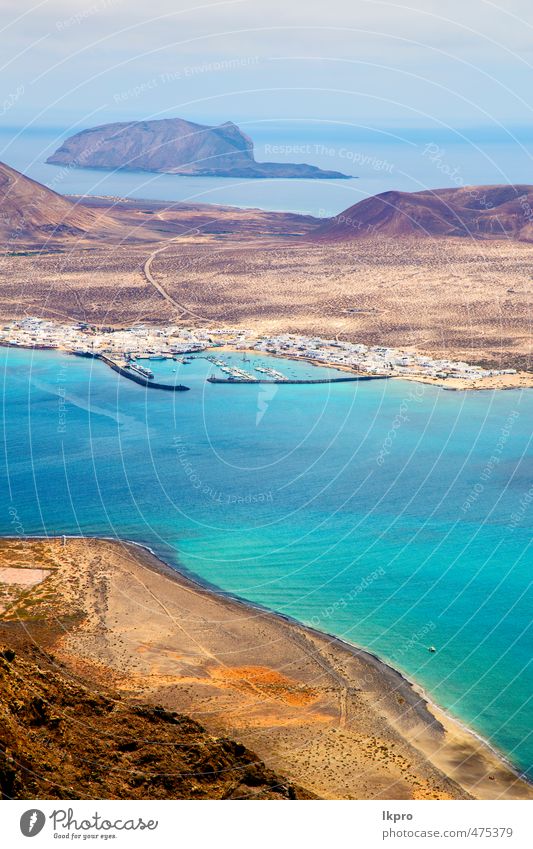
{"points": [[262, 824]]}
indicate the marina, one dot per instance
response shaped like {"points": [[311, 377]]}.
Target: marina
{"points": [[138, 375]]}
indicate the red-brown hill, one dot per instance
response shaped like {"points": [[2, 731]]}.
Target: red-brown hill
{"points": [[30, 213], [469, 211]]}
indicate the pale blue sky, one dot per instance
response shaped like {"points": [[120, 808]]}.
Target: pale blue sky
{"points": [[73, 63]]}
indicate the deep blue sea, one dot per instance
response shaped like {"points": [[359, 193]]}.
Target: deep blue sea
{"points": [[392, 514]]}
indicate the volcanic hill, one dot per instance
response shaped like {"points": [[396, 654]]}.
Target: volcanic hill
{"points": [[496, 212], [175, 146], [30, 212]]}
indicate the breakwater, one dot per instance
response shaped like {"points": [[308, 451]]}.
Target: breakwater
{"points": [[254, 380], [142, 381]]}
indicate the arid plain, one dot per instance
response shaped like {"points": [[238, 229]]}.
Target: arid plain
{"points": [[461, 298]]}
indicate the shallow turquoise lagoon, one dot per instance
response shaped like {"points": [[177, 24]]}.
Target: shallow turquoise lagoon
{"points": [[392, 514]]}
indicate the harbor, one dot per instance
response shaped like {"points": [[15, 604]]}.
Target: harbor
{"points": [[142, 376], [143, 352]]}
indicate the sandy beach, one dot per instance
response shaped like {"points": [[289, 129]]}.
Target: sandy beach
{"points": [[328, 716], [520, 380]]}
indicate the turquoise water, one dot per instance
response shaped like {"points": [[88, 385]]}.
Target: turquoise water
{"points": [[371, 510], [199, 368]]}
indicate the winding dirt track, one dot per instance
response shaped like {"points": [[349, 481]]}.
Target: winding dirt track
{"points": [[147, 271]]}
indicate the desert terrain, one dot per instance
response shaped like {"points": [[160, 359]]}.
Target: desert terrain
{"points": [[119, 262], [447, 297], [330, 718]]}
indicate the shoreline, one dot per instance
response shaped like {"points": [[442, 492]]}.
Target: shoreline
{"points": [[459, 384], [517, 381], [522, 380], [432, 718], [217, 591]]}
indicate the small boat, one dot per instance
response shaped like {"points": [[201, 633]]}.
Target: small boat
{"points": [[144, 372], [432, 649]]}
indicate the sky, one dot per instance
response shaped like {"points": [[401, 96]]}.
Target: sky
{"points": [[368, 64]]}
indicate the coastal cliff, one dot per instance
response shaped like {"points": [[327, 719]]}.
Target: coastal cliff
{"points": [[175, 146], [131, 751], [66, 733]]}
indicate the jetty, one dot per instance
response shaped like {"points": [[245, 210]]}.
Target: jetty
{"points": [[137, 377], [284, 381]]}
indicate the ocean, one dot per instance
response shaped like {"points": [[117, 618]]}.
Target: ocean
{"points": [[378, 160], [392, 514]]}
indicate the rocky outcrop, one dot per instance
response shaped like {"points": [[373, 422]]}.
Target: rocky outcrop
{"points": [[60, 739]]}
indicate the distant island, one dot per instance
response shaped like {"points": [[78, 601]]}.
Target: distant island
{"points": [[175, 146]]}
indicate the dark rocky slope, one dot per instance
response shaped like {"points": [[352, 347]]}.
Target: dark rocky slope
{"points": [[60, 739]]}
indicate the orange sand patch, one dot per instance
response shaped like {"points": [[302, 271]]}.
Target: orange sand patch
{"points": [[269, 681], [249, 720]]}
